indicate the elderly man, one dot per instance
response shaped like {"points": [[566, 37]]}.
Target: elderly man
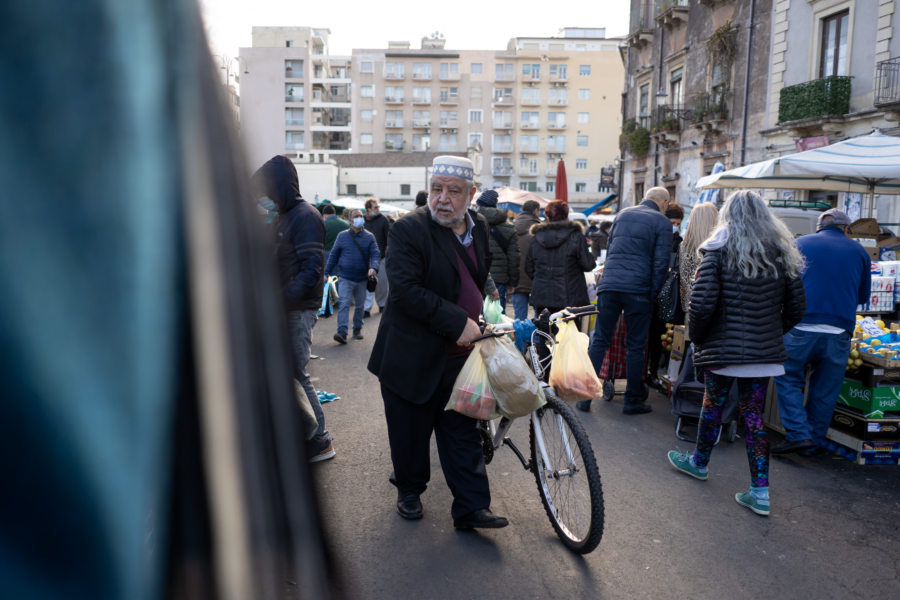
{"points": [[836, 279], [637, 256], [439, 263]]}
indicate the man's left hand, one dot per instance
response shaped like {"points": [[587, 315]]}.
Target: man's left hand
{"points": [[372, 272]]}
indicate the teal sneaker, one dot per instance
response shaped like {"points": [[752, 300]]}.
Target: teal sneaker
{"points": [[760, 507], [682, 462]]}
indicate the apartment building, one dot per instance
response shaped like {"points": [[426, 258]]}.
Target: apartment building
{"points": [[695, 81], [839, 79], [295, 97], [518, 111]]}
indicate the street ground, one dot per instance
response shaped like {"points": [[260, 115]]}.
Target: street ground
{"points": [[834, 531]]}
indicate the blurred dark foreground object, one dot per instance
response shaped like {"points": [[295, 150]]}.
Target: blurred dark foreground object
{"points": [[150, 438]]}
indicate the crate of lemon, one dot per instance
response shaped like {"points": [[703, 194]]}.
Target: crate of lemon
{"points": [[874, 344]]}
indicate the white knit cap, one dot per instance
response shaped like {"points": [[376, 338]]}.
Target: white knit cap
{"points": [[454, 166]]}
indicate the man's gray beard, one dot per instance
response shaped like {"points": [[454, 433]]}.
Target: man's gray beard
{"points": [[454, 220]]}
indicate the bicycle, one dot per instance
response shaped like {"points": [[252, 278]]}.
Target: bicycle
{"points": [[562, 460]]}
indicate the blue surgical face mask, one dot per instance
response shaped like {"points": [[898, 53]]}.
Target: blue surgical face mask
{"points": [[358, 222], [675, 228], [267, 204]]}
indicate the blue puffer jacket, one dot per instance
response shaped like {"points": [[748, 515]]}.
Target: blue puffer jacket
{"points": [[346, 261], [637, 252], [300, 234]]}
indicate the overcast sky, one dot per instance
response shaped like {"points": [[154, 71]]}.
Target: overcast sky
{"points": [[465, 24]]}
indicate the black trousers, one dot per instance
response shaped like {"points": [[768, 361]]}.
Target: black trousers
{"points": [[458, 442]]}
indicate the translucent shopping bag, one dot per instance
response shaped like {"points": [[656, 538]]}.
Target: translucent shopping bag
{"points": [[492, 311], [515, 385], [571, 374], [472, 393]]}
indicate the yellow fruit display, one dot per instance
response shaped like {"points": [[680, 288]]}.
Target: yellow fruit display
{"points": [[875, 343], [880, 323], [854, 354]]}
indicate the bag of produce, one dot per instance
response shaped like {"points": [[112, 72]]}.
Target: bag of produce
{"points": [[472, 393], [571, 373], [515, 386]]}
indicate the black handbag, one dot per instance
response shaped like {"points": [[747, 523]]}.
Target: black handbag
{"points": [[371, 280], [668, 301]]}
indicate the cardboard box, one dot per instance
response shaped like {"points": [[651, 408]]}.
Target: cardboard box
{"points": [[869, 399], [864, 427], [867, 227], [862, 451], [678, 343]]}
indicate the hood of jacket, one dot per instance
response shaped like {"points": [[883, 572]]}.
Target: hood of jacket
{"points": [[494, 216], [524, 221], [553, 233], [277, 179]]}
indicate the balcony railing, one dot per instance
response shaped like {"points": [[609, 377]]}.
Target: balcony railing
{"points": [[293, 74], [530, 125], [393, 76], [818, 98], [293, 98], [560, 102], [502, 148], [503, 100], [669, 118], [556, 126], [449, 76], [393, 99], [501, 171], [559, 78], [394, 123], [421, 76], [294, 122], [527, 172], [551, 173], [887, 82], [422, 100], [703, 108], [449, 123], [295, 146], [448, 99], [504, 77], [421, 123], [394, 146], [530, 102], [529, 149], [503, 124]]}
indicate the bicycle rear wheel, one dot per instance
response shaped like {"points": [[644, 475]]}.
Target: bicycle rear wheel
{"points": [[569, 481]]}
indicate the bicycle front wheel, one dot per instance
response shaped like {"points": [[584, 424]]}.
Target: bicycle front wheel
{"points": [[567, 477]]}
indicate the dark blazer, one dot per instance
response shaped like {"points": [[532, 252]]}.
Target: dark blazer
{"points": [[735, 320], [422, 320]]}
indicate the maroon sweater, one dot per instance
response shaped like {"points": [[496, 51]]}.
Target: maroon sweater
{"points": [[469, 297]]}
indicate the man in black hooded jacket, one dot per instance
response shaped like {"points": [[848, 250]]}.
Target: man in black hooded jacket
{"points": [[300, 248]]}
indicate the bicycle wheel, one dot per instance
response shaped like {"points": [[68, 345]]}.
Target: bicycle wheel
{"points": [[569, 483]]}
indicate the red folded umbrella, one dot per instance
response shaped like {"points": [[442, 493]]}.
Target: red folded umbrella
{"points": [[562, 186]]}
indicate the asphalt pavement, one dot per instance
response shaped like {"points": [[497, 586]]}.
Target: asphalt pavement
{"points": [[834, 530]]}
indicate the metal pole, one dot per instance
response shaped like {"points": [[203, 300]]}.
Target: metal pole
{"points": [[747, 81]]}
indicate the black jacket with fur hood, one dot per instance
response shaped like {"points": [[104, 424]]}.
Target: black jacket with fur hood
{"points": [[557, 258]]}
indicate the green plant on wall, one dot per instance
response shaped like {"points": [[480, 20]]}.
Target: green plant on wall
{"points": [[722, 45], [818, 98], [634, 139]]}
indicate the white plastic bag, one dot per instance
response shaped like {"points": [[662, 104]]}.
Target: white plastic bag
{"points": [[515, 386], [572, 374]]}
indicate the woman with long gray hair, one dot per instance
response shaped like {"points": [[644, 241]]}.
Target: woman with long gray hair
{"points": [[747, 294]]}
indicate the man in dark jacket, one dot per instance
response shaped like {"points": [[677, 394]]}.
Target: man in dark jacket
{"points": [[837, 278], [353, 259], [529, 216], [333, 226], [378, 225], [504, 245], [300, 246], [637, 257], [438, 268]]}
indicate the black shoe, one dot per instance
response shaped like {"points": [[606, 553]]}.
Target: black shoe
{"points": [[654, 382], [409, 506], [366, 314], [357, 335], [340, 338], [812, 452], [788, 447], [637, 409], [380, 309], [482, 518], [583, 405]]}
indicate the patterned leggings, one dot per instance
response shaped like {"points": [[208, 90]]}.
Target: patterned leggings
{"points": [[752, 404]]}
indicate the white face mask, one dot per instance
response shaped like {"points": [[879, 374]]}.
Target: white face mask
{"points": [[675, 228], [267, 204], [358, 222]]}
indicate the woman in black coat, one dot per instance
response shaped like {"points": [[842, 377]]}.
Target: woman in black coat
{"points": [[747, 295], [557, 258]]}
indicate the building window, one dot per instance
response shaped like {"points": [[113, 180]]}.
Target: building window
{"points": [[584, 117], [528, 186], [528, 143], [502, 94], [584, 69], [556, 120], [676, 89], [530, 71], [404, 189], [475, 91], [477, 68], [581, 140], [393, 118], [558, 96], [293, 117], [474, 116], [581, 164], [559, 72], [421, 70], [367, 91], [293, 68], [365, 139], [393, 70], [531, 96], [638, 191], [502, 119], [393, 141], [833, 57], [551, 186], [501, 142], [556, 143], [293, 92], [351, 189], [393, 93], [421, 118], [366, 66], [366, 114], [644, 106], [580, 187], [450, 70], [584, 94], [474, 139], [421, 142], [422, 94], [504, 72], [294, 140], [447, 142], [288, 43], [448, 118], [531, 118]]}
